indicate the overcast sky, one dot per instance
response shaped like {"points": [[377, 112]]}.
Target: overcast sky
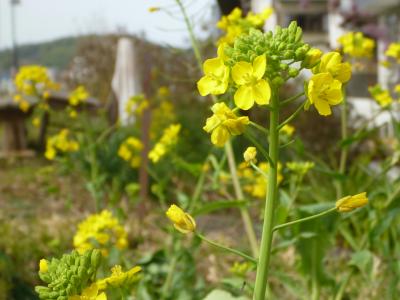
{"points": [[44, 20]]}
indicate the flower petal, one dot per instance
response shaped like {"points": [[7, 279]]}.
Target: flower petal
{"points": [[323, 107], [244, 98], [262, 92], [259, 66], [214, 66], [219, 136], [242, 72], [206, 85]]}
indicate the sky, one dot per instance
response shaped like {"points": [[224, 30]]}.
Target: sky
{"points": [[44, 20]]}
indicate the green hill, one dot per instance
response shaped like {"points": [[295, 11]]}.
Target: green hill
{"points": [[57, 53]]}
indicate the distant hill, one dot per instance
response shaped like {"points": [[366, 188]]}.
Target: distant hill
{"points": [[57, 53]]}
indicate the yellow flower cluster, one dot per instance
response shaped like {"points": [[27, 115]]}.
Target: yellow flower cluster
{"points": [[23, 104], [325, 87], [136, 105], [183, 222], [119, 278], [78, 96], [130, 150], [167, 140], [34, 80], [355, 44], [60, 142], [254, 183], [100, 231], [394, 51], [224, 123], [380, 95], [235, 24]]}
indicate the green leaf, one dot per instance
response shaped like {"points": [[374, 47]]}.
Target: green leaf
{"points": [[363, 261]]}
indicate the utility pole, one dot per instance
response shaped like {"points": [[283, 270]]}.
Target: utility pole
{"points": [[15, 60]]}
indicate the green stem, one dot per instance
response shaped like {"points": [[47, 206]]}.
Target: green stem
{"points": [[343, 152], [199, 188], [259, 127], [248, 226], [272, 193], [259, 170], [237, 252], [304, 219], [288, 100], [294, 115]]}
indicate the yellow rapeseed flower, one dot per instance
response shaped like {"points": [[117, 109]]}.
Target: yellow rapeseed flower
{"points": [[252, 86], [78, 96], [356, 44], [224, 123], [183, 222], [130, 150], [100, 231], [312, 58], [60, 142], [332, 63], [153, 9], [216, 77], [323, 91], [380, 95], [288, 129], [167, 140], [119, 278], [43, 265], [90, 293], [350, 203], [394, 51], [34, 80], [250, 155], [36, 121]]}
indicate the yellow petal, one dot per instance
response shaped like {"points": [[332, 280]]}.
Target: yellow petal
{"points": [[211, 123], [323, 108], [214, 66], [262, 92], [242, 72], [244, 98], [206, 85], [259, 66], [219, 136], [344, 73]]}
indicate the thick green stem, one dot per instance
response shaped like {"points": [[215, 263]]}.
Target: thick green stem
{"points": [[272, 193], [224, 248], [248, 225]]}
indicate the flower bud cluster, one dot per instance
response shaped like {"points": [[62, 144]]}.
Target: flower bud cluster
{"points": [[282, 49], [69, 275]]}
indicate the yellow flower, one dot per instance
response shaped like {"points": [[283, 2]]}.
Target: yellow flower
{"points": [[100, 230], [394, 51], [332, 63], [153, 9], [216, 78], [167, 140], [356, 44], [288, 129], [250, 155], [34, 80], [77, 96], [380, 95], [43, 265], [130, 150], [252, 88], [323, 91], [224, 123], [163, 91], [90, 293], [183, 222], [257, 20], [24, 105], [349, 203], [36, 122], [73, 114], [119, 278], [312, 57], [60, 142]]}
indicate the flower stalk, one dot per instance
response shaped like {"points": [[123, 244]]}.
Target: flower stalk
{"points": [[272, 193]]}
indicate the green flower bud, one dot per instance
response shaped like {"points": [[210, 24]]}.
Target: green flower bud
{"points": [[293, 72], [278, 81]]}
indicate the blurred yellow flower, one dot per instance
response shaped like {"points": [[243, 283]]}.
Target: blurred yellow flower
{"points": [[250, 155], [216, 77], [332, 63], [43, 265], [350, 203], [60, 142], [78, 96], [36, 121], [288, 129], [130, 150], [183, 222], [300, 167], [224, 123], [167, 140], [252, 87], [380, 95], [394, 51], [323, 91], [101, 231], [34, 80], [153, 9], [356, 44]]}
